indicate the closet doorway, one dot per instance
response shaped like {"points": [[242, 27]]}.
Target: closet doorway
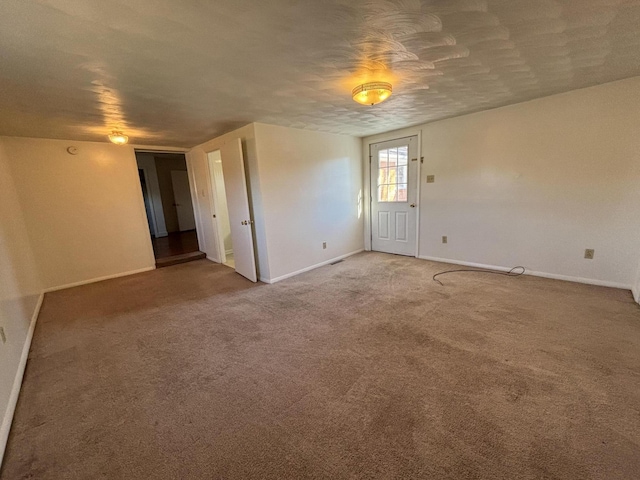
{"points": [[219, 205]]}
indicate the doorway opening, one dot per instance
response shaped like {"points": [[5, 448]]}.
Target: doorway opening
{"points": [[219, 205], [169, 207], [227, 223]]}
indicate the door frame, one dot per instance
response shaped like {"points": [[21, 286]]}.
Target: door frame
{"points": [[213, 201], [192, 186], [368, 199]]}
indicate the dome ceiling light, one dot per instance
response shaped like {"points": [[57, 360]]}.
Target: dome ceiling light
{"points": [[118, 138], [372, 93]]}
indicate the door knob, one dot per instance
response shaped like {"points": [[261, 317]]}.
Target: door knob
{"points": [[413, 205]]}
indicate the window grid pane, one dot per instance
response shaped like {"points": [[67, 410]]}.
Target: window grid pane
{"points": [[383, 175], [403, 155], [393, 174]]}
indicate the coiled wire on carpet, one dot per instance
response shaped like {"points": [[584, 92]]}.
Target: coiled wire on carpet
{"points": [[510, 273]]}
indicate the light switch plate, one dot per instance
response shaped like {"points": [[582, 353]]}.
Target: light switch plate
{"points": [[431, 178]]}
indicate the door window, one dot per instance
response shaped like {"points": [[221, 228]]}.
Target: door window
{"points": [[393, 174]]}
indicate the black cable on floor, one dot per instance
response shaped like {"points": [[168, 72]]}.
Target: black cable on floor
{"points": [[510, 273]]}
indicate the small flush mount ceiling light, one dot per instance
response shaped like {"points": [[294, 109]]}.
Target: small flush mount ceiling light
{"points": [[118, 138], [372, 93]]}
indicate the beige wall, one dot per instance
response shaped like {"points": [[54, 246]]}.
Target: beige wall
{"points": [[311, 184], [19, 294], [84, 213], [537, 183]]}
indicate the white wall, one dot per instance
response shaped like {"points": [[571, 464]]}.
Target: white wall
{"points": [[147, 162], [537, 183], [84, 213], [19, 295], [305, 188], [310, 184]]}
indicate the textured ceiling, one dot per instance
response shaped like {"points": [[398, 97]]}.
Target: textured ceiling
{"points": [[179, 73]]}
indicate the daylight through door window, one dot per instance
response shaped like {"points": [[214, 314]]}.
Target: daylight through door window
{"points": [[392, 174]]}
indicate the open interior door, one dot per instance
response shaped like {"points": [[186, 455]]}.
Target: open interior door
{"points": [[235, 182], [183, 203]]}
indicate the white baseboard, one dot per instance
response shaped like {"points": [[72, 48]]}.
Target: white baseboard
{"points": [[588, 281], [306, 269], [635, 290], [17, 382], [554, 276], [164, 233], [212, 259], [228, 252], [98, 279]]}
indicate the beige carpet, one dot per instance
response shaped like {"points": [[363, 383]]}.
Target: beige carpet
{"points": [[364, 369]]}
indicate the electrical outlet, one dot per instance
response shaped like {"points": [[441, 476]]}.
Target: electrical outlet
{"points": [[444, 239], [431, 178], [324, 245], [2, 335], [588, 253]]}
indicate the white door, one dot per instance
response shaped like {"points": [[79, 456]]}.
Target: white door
{"points": [[394, 171], [235, 182], [182, 199], [219, 204]]}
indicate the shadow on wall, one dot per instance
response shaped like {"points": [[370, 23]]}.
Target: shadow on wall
{"points": [[20, 289], [19, 277]]}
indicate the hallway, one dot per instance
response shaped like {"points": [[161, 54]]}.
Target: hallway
{"points": [[177, 247]]}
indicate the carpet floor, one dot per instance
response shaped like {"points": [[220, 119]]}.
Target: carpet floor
{"points": [[364, 369]]}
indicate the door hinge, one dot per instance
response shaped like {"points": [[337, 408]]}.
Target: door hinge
{"points": [[421, 159]]}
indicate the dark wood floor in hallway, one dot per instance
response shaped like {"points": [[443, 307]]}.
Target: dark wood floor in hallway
{"points": [[176, 243], [363, 369]]}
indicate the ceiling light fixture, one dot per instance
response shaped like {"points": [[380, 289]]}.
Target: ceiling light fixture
{"points": [[371, 93], [118, 138]]}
